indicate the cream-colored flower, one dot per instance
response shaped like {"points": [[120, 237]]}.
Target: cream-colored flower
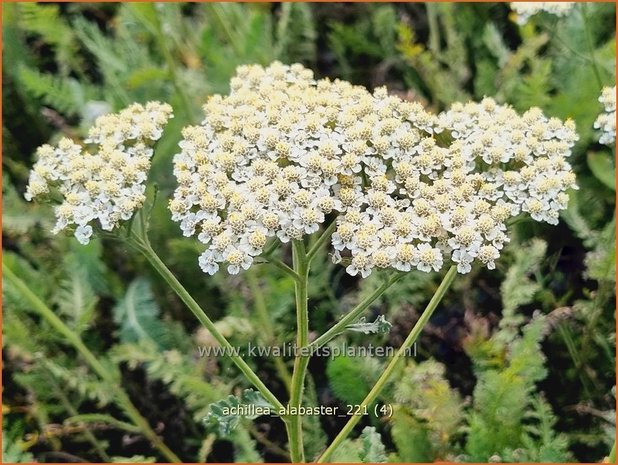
{"points": [[525, 10], [107, 185], [409, 189], [606, 121]]}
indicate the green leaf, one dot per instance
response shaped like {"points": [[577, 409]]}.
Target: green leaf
{"points": [[426, 394], [77, 300], [225, 415], [373, 449], [410, 437], [349, 378], [602, 166], [518, 288], [144, 76], [12, 447], [380, 325], [63, 94], [349, 451], [138, 314]]}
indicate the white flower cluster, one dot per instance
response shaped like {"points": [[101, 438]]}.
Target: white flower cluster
{"points": [[107, 185], [411, 189], [606, 121], [525, 10]]}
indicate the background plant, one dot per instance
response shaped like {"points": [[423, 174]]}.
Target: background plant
{"points": [[63, 61]]}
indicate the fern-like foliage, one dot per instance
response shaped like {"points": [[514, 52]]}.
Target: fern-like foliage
{"points": [[63, 94], [519, 285], [507, 420], [427, 402], [351, 378], [137, 314], [367, 448], [46, 22], [220, 417], [12, 449], [176, 370]]}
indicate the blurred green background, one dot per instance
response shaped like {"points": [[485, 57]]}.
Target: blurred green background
{"points": [[517, 365]]}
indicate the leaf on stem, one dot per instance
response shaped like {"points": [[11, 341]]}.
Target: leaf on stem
{"points": [[373, 449], [225, 415], [380, 325]]}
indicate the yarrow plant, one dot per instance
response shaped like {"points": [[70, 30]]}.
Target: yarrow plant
{"points": [[107, 185], [410, 189], [283, 156], [525, 10], [606, 121]]}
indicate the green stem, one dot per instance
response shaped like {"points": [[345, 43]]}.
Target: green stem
{"points": [[285, 268], [352, 315], [267, 326], [390, 368], [612, 454], [70, 336], [181, 292], [295, 427], [321, 241]]}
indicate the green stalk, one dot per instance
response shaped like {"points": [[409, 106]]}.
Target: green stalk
{"points": [[352, 315], [267, 326], [144, 247], [70, 336], [612, 454], [283, 267], [390, 368], [295, 427], [321, 241]]}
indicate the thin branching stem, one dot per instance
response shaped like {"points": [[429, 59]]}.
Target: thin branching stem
{"points": [[285, 268], [393, 364], [301, 361], [353, 314], [148, 252], [315, 248]]}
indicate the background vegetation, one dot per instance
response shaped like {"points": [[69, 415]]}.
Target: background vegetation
{"points": [[517, 365]]}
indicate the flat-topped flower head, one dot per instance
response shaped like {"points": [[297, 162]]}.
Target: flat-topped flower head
{"points": [[525, 10], [606, 121], [409, 189], [106, 185], [454, 193], [289, 150]]}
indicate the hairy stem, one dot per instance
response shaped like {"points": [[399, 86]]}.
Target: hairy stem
{"points": [[295, 427], [73, 338], [283, 267], [390, 368]]}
